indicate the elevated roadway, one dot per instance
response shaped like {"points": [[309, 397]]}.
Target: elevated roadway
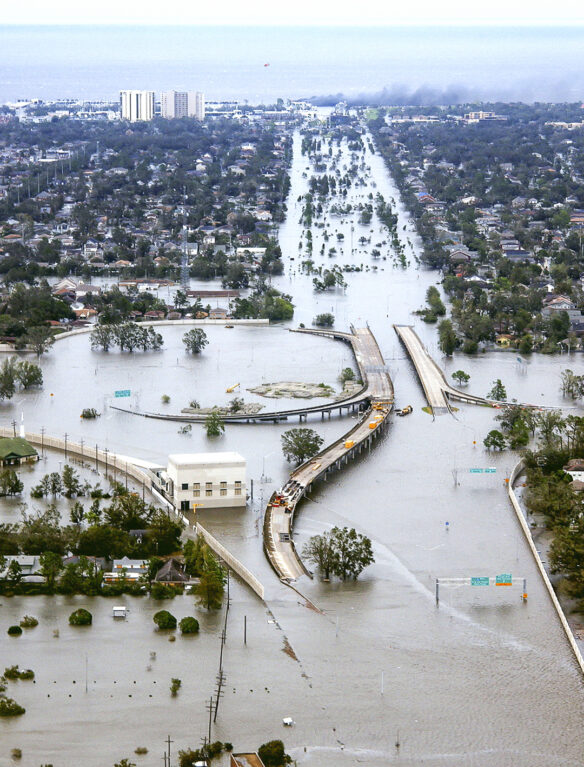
{"points": [[436, 388], [367, 357], [279, 517]]}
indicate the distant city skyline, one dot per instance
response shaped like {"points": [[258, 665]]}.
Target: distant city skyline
{"points": [[302, 13]]}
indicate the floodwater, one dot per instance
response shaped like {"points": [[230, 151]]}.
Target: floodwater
{"points": [[483, 680]]}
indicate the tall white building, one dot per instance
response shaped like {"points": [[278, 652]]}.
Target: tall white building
{"points": [[137, 105], [182, 104], [196, 105], [174, 104]]}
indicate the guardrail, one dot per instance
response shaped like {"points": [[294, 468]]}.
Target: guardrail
{"points": [[517, 471]]}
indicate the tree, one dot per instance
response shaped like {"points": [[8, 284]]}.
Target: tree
{"points": [[495, 439], [347, 374], [51, 565], [195, 340], [272, 754], [498, 391], [236, 404], [80, 617], [9, 483], [300, 444], [352, 552], [40, 339], [102, 337], [214, 425], [447, 340], [164, 620], [77, 513], [320, 551], [461, 377], [326, 320], [14, 574], [189, 625], [7, 378], [71, 482], [209, 590], [28, 374]]}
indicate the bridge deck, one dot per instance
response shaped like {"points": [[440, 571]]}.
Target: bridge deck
{"points": [[279, 517], [436, 388]]}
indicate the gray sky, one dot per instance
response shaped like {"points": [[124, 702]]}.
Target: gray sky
{"points": [[300, 12]]}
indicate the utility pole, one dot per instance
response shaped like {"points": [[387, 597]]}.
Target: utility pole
{"points": [[43, 441], [209, 707], [218, 692], [168, 741], [66, 435]]}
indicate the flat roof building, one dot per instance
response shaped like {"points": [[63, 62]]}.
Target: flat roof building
{"points": [[207, 480]]}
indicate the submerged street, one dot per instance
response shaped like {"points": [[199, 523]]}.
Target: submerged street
{"points": [[485, 679]]}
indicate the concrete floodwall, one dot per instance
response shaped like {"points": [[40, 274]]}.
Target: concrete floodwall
{"points": [[517, 471], [233, 563], [87, 454], [158, 323], [120, 464]]}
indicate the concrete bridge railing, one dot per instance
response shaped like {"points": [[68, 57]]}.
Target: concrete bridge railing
{"points": [[517, 471]]}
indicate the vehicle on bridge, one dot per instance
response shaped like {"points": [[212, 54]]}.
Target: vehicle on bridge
{"points": [[405, 410]]}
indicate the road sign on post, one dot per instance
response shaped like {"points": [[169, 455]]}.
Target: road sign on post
{"points": [[479, 581], [122, 393], [504, 579]]}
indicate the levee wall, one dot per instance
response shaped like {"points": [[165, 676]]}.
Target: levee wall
{"points": [[517, 471], [233, 563]]}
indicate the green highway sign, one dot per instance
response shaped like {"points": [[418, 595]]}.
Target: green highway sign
{"points": [[479, 581], [122, 393], [483, 471], [504, 580], [490, 471], [476, 471]]}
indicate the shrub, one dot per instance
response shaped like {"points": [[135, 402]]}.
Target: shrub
{"points": [[174, 686], [89, 412], [16, 753], [14, 631], [13, 672], [165, 399], [141, 750], [9, 707], [164, 620], [326, 320], [80, 617], [162, 591], [28, 622], [189, 625], [272, 754]]}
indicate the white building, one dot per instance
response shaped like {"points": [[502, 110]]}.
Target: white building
{"points": [[174, 104], [209, 480], [137, 105], [196, 105]]}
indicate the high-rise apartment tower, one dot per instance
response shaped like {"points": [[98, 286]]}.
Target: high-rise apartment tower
{"points": [[137, 105]]}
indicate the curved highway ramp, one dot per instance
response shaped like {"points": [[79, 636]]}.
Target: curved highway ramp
{"points": [[279, 517]]}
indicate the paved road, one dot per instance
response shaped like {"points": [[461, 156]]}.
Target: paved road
{"points": [[279, 517], [436, 388]]}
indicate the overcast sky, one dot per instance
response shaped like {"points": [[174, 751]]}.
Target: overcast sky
{"points": [[300, 12]]}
